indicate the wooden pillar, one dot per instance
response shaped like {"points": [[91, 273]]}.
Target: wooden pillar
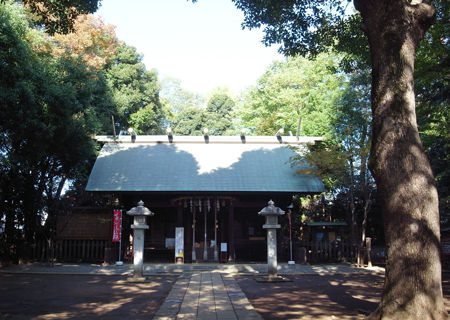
{"points": [[205, 230], [231, 253], [194, 255], [216, 224], [223, 230], [180, 214], [187, 234]]}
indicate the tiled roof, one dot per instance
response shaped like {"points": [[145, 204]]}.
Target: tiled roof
{"points": [[199, 167]]}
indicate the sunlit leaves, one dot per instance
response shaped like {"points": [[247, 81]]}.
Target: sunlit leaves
{"points": [[189, 117], [298, 95], [146, 120], [135, 91], [218, 114], [90, 39]]}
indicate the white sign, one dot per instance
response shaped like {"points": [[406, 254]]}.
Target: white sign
{"points": [[223, 247], [179, 243]]}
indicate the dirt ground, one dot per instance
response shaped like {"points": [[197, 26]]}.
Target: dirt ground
{"points": [[70, 297], [31, 296], [320, 297]]}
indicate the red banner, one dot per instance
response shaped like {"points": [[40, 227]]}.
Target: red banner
{"points": [[117, 225]]}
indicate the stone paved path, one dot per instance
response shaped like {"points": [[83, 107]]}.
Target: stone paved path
{"points": [[206, 295]]}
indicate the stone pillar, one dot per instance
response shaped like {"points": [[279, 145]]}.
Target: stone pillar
{"points": [[139, 226], [271, 213], [272, 261], [138, 250]]}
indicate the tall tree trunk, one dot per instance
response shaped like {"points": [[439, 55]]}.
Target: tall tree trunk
{"points": [[363, 229], [405, 182], [351, 193]]}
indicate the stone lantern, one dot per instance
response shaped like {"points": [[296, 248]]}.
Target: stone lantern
{"points": [[139, 225], [271, 213]]}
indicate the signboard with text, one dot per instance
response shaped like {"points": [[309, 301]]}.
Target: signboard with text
{"points": [[179, 245], [117, 225]]}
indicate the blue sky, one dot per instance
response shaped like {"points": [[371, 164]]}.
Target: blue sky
{"points": [[201, 43]]}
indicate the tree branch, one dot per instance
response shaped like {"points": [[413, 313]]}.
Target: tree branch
{"points": [[424, 13]]}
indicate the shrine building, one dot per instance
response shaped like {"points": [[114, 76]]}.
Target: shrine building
{"points": [[212, 186]]}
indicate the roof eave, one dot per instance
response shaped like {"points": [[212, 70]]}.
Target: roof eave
{"points": [[208, 139]]}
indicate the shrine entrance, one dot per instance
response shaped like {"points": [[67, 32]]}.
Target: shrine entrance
{"points": [[205, 221]]}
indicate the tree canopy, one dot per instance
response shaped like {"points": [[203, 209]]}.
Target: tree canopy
{"points": [[56, 92], [59, 16], [135, 92], [90, 40], [299, 95], [189, 116], [47, 104]]}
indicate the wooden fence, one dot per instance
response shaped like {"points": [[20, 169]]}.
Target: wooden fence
{"points": [[70, 250], [100, 251], [324, 251]]}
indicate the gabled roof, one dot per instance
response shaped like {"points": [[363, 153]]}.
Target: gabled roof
{"points": [[200, 164]]}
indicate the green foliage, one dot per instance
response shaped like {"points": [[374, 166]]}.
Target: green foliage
{"points": [[146, 120], [329, 162], [188, 115], [176, 98], [188, 122], [52, 100], [299, 25], [50, 108], [298, 95], [184, 108], [310, 27], [353, 117], [59, 16], [218, 114], [135, 92], [432, 83], [342, 161]]}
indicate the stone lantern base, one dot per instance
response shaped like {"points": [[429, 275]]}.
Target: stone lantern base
{"points": [[134, 279]]}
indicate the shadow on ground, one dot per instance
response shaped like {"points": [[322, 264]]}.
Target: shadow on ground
{"points": [[320, 296], [31, 296], [70, 297]]}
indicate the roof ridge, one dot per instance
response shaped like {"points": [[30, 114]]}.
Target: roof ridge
{"points": [[172, 139]]}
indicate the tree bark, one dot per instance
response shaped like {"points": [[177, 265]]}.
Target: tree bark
{"points": [[352, 205], [363, 246], [405, 182]]}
